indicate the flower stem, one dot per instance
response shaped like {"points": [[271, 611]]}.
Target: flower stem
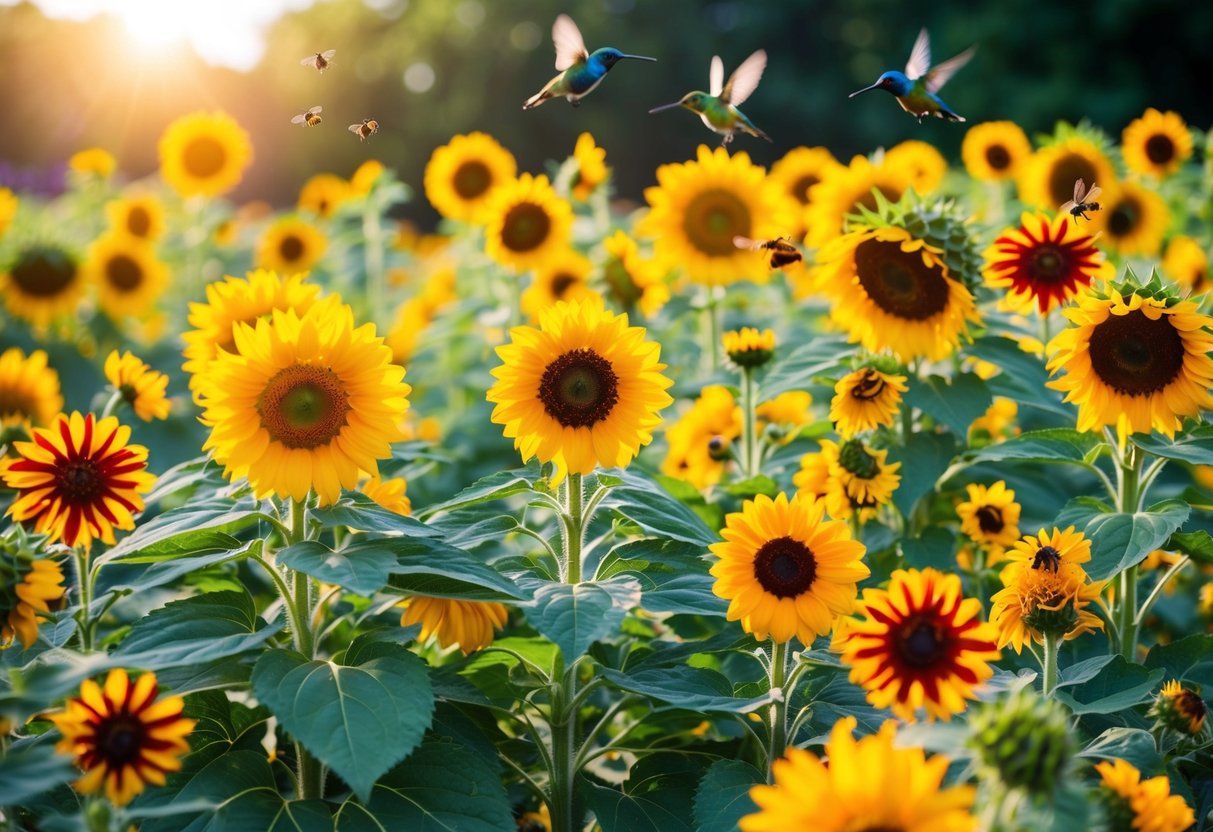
{"points": [[779, 708], [563, 724], [573, 529], [749, 441], [1049, 664], [84, 580], [1130, 476], [111, 406], [711, 311], [299, 604]]}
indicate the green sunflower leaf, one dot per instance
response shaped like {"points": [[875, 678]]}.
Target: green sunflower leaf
{"points": [[955, 402], [936, 548], [822, 356], [698, 689], [1188, 660], [1121, 540], [428, 566], [656, 511], [496, 486], [192, 528], [723, 796], [1023, 375], [1050, 445], [27, 771], [574, 616], [194, 631], [657, 810], [1130, 744], [1197, 545], [361, 513], [1118, 685], [923, 461], [1194, 446]]}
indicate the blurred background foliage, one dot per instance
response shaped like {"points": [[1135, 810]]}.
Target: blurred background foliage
{"points": [[428, 69]]}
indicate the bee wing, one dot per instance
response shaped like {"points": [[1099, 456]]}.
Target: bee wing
{"points": [[299, 119], [745, 78], [1066, 207], [746, 243], [716, 76], [920, 56], [1079, 189], [937, 76], [355, 128], [1093, 194], [310, 60], [570, 46], [315, 110], [328, 54]]}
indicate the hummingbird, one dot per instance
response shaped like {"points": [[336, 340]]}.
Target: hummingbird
{"points": [[580, 71], [915, 88], [718, 108]]}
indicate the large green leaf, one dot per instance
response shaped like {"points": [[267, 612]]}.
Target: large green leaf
{"points": [[655, 511], [362, 569], [428, 566], [194, 527], [1023, 375], [1121, 540], [139, 576], [652, 811], [360, 717], [923, 461], [823, 355], [358, 512], [723, 796], [1190, 659], [574, 616], [496, 486], [195, 631], [1131, 744], [1197, 545], [222, 726], [692, 688], [1118, 685], [27, 771], [936, 548], [1051, 445], [1194, 446], [955, 403]]}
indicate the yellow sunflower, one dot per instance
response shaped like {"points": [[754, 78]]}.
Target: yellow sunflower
{"points": [[1156, 144], [8, 209], [922, 164], [785, 570], [995, 150], [787, 410], [747, 347], [591, 167], [468, 625], [1047, 177], [139, 215], [1142, 805], [698, 207], [390, 494], [462, 175], [799, 170], [29, 587], [122, 737], [322, 194], [893, 291], [633, 281], [865, 400], [700, 443], [42, 283], [128, 275], [1139, 363], [1187, 263], [1180, 709], [1134, 219], [204, 154], [526, 223], [842, 190], [582, 390], [364, 177], [94, 161], [1049, 260], [990, 516], [869, 785], [305, 403], [290, 245], [851, 478], [139, 385], [566, 276], [30, 394]]}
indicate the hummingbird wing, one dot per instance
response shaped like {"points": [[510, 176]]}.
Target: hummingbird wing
{"points": [[716, 76], [745, 78], [937, 76], [570, 46], [920, 57]]}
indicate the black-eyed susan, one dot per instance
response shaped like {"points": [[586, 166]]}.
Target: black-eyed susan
{"points": [[28, 588], [526, 223], [893, 291], [1179, 708], [93, 161], [364, 177], [128, 275], [1156, 144], [591, 169], [463, 173], [42, 283], [698, 207], [321, 194], [851, 477], [990, 516], [748, 347], [1047, 177], [632, 280], [391, 494], [1187, 263], [565, 276], [995, 150], [1046, 260], [865, 400], [1045, 590], [305, 403], [290, 245], [581, 391], [122, 736], [1134, 218], [468, 625], [869, 785], [700, 443], [204, 154], [786, 571], [843, 190], [139, 385], [8, 209], [30, 394], [922, 164], [921, 645], [139, 215], [1136, 805], [1134, 360], [78, 480]]}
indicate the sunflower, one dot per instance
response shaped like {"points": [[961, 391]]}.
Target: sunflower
{"points": [[364, 177], [28, 589], [893, 291], [921, 644], [469, 625], [29, 389], [44, 282], [1179, 709], [1137, 362], [865, 400], [1047, 260], [591, 167], [581, 391], [749, 348], [850, 477], [290, 246], [526, 223], [78, 479], [787, 410], [701, 442], [843, 190], [995, 150], [565, 276], [127, 274], [1045, 590], [633, 281], [121, 736], [322, 194], [141, 215], [204, 154], [1047, 177], [462, 175], [1134, 219], [8, 209], [94, 161], [390, 494], [305, 403], [1156, 144], [1134, 804], [921, 163], [990, 516], [869, 785], [698, 207], [799, 170], [139, 385], [1187, 263]]}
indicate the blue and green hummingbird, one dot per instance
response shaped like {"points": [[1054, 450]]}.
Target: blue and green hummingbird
{"points": [[718, 108], [580, 71], [916, 88]]}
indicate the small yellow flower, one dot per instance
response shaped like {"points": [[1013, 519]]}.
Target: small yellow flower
{"points": [[865, 400], [139, 385], [749, 348], [591, 167], [93, 162]]}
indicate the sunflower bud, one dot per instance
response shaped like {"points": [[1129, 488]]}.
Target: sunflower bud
{"points": [[749, 348], [1179, 709], [1023, 740], [855, 458]]}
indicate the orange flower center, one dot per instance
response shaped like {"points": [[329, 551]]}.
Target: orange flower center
{"points": [[138, 221], [1135, 355], [713, 218], [579, 389], [785, 567], [303, 406], [203, 157]]}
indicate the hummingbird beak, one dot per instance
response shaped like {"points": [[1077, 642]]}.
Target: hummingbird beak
{"points": [[639, 58], [666, 107], [865, 89]]}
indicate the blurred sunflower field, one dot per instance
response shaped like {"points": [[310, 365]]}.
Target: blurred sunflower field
{"points": [[851, 494]]}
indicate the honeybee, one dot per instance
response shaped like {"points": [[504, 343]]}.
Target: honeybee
{"points": [[1048, 558], [783, 253], [320, 60], [368, 127], [311, 118], [1082, 201]]}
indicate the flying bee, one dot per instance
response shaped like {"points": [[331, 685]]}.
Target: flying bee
{"points": [[783, 253], [311, 118], [1048, 558], [1082, 201], [368, 127], [319, 61]]}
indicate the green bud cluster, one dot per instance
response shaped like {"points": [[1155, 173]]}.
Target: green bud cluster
{"points": [[1024, 741]]}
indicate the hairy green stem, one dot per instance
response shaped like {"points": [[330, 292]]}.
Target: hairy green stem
{"points": [[1126, 596], [84, 578], [779, 708], [1049, 664], [564, 729], [573, 528]]}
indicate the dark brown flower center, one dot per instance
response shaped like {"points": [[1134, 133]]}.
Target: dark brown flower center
{"points": [[713, 218], [303, 406], [43, 272], [120, 739], [138, 221], [856, 459], [1135, 355], [869, 387], [1048, 263], [471, 179], [998, 157], [1160, 149], [579, 389], [291, 248], [899, 282], [1125, 218], [1066, 170], [921, 640], [79, 481], [561, 283], [718, 448], [785, 567], [526, 227], [123, 273], [203, 157], [15, 403], [800, 188], [1190, 705], [989, 519]]}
